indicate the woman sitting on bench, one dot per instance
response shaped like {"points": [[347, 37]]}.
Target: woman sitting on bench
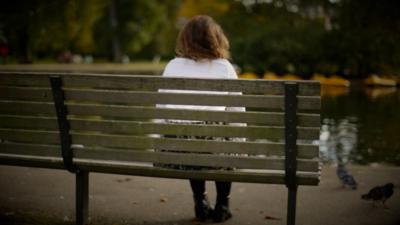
{"points": [[202, 52]]}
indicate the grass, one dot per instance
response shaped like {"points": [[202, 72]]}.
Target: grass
{"points": [[142, 67]]}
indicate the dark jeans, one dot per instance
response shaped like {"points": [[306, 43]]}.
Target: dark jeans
{"points": [[199, 188]]}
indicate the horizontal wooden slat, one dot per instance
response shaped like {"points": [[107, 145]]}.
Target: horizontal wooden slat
{"points": [[134, 97], [24, 79], [31, 161], [155, 82], [140, 82], [47, 109], [131, 127], [30, 149], [123, 127], [308, 120], [26, 93], [252, 176], [29, 122], [27, 108], [307, 151], [267, 118], [29, 136], [125, 141], [137, 82], [211, 160], [307, 133]]}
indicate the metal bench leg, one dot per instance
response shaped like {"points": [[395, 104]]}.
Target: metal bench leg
{"points": [[291, 213], [82, 197]]}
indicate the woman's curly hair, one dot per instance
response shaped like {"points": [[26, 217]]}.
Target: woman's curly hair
{"points": [[202, 38]]}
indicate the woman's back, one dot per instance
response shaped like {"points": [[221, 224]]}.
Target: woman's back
{"points": [[213, 69]]}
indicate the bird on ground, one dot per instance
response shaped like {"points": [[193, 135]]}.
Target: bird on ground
{"points": [[345, 177], [380, 193]]}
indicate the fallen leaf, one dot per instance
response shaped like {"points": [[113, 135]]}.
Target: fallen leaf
{"points": [[195, 221], [271, 218]]}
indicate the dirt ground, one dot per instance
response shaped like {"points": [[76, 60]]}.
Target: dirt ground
{"points": [[41, 196]]}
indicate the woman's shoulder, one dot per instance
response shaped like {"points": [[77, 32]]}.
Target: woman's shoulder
{"points": [[230, 70], [180, 66], [224, 62], [180, 60], [187, 66]]}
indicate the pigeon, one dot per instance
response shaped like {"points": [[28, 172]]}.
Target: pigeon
{"points": [[379, 193], [345, 177]]}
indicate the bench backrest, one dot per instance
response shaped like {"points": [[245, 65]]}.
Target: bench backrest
{"points": [[109, 125]]}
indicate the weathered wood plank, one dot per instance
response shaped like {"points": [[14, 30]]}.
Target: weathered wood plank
{"points": [[259, 176], [24, 79], [26, 93], [124, 141], [27, 108], [29, 136], [155, 82], [135, 142], [131, 127], [127, 141], [28, 122], [209, 160], [305, 151], [32, 161], [143, 82], [308, 120], [251, 176], [266, 118], [135, 97], [31, 149]]}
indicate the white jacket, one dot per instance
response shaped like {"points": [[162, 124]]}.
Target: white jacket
{"points": [[209, 69]]}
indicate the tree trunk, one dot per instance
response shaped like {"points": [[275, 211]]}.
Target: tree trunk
{"points": [[116, 47]]}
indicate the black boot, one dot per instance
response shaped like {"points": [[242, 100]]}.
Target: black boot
{"points": [[221, 210], [202, 208]]}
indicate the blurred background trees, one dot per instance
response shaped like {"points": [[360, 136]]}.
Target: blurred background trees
{"points": [[352, 38]]}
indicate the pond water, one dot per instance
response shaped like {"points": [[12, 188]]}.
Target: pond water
{"points": [[360, 125]]}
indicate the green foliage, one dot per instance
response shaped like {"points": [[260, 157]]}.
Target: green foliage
{"points": [[138, 24], [368, 32], [48, 27], [272, 38], [346, 37]]}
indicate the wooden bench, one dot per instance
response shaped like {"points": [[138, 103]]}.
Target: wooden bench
{"points": [[101, 123]]}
